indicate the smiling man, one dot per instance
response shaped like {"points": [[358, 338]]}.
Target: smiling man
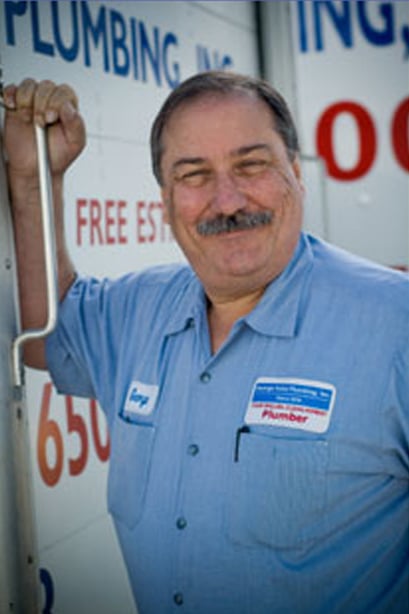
{"points": [[233, 198], [258, 396]]}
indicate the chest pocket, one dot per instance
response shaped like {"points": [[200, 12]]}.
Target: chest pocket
{"points": [[129, 470], [277, 492]]}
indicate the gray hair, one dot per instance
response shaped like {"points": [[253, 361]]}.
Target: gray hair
{"points": [[223, 83]]}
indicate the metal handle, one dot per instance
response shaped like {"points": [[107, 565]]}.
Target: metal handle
{"points": [[47, 215]]}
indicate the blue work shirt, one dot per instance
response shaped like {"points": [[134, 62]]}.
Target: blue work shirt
{"points": [[272, 476]]}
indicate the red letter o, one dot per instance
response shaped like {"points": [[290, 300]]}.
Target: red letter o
{"points": [[367, 140], [400, 134]]}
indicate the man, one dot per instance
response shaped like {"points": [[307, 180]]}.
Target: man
{"points": [[258, 399]]}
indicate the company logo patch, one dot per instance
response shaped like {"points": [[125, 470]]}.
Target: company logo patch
{"points": [[292, 403], [140, 399]]}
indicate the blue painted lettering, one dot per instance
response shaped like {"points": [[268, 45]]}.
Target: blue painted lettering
{"points": [[386, 36], [135, 54], [302, 26], [172, 76], [119, 49], [13, 9], [40, 46], [97, 31], [405, 39], [317, 20], [208, 61], [69, 53], [148, 52], [48, 584], [94, 32], [341, 21]]}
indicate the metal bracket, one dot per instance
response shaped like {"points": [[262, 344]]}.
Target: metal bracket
{"points": [[47, 214]]}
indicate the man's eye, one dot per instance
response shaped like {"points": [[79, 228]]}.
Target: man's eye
{"points": [[251, 167], [194, 178]]}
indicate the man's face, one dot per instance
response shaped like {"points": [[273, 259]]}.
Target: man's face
{"points": [[232, 196]]}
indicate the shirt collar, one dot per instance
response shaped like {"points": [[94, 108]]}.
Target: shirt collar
{"points": [[190, 307], [276, 314]]}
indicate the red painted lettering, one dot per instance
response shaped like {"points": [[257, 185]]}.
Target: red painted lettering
{"points": [[140, 222], [109, 221], [81, 220], [52, 436], [150, 225], [95, 220], [101, 222], [400, 134], [48, 431], [366, 140], [122, 222]]}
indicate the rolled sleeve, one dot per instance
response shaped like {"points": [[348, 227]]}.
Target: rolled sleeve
{"points": [[66, 373]]}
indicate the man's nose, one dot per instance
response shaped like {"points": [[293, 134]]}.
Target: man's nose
{"points": [[227, 198]]}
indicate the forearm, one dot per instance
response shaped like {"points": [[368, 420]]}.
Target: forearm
{"points": [[56, 109]]}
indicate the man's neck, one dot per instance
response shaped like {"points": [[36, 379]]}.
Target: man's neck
{"points": [[222, 313]]}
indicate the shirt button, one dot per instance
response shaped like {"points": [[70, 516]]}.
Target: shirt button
{"points": [[181, 523], [178, 598], [193, 449], [205, 377]]}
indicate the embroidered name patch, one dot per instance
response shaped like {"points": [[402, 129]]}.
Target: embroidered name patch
{"points": [[292, 403], [140, 399]]}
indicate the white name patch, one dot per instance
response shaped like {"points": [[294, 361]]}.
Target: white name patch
{"points": [[292, 403], [140, 399]]}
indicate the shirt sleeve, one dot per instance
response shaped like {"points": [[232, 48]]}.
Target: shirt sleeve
{"points": [[82, 351], [101, 321]]}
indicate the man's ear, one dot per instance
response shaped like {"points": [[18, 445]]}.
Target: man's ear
{"points": [[165, 200], [296, 164]]}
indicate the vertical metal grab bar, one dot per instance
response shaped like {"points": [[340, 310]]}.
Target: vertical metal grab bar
{"points": [[47, 215]]}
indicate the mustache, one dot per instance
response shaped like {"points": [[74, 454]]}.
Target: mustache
{"points": [[234, 222]]}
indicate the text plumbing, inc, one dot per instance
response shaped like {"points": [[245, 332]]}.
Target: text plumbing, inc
{"points": [[100, 36]]}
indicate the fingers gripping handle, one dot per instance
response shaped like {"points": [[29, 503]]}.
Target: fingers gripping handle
{"points": [[47, 215]]}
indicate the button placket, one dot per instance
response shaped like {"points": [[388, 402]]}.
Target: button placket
{"points": [[181, 522]]}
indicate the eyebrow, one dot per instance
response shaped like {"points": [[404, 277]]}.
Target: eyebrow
{"points": [[241, 151], [246, 149], [183, 161]]}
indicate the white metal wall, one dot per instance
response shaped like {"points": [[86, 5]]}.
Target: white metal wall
{"points": [[122, 58]]}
